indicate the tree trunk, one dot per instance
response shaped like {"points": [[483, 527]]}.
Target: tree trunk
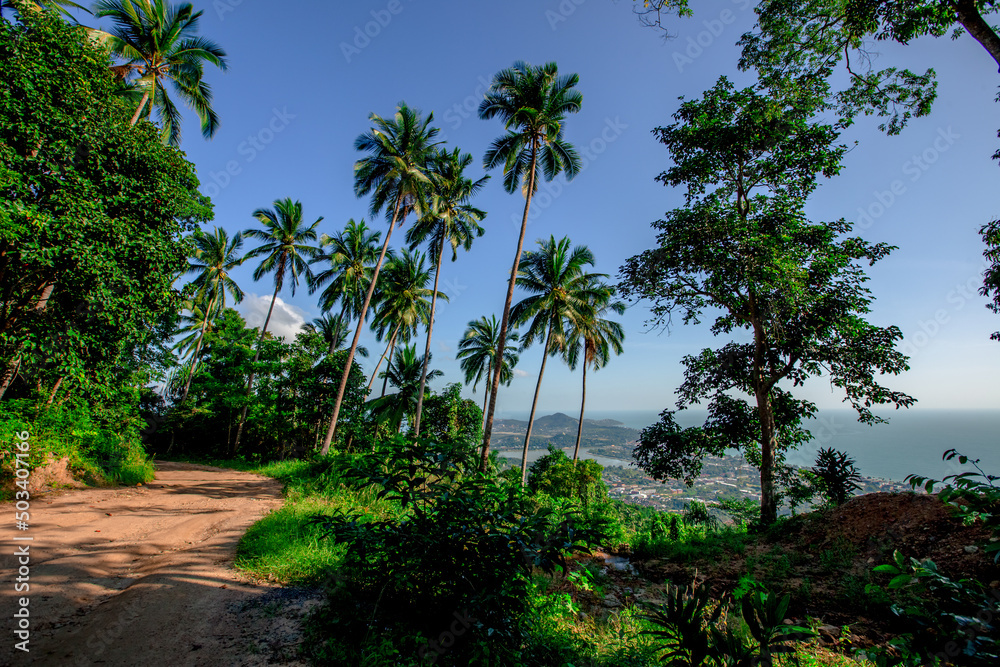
{"points": [[142, 103], [388, 367], [55, 390], [981, 31], [197, 351], [486, 398], [495, 387], [357, 334], [583, 402], [388, 348], [427, 347], [253, 366], [534, 404], [768, 435]]}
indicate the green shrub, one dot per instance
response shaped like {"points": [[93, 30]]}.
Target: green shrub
{"points": [[836, 476], [554, 474]]}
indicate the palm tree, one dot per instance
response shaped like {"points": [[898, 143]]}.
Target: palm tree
{"points": [[450, 220], [215, 255], [287, 253], [477, 352], [594, 338], [159, 43], [352, 256], [333, 330], [404, 301], [395, 172], [562, 295], [403, 374], [532, 103], [60, 6]]}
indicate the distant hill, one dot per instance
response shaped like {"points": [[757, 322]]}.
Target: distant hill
{"points": [[560, 430]]}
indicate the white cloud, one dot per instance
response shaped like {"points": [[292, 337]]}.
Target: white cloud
{"points": [[445, 348], [286, 320], [518, 373]]}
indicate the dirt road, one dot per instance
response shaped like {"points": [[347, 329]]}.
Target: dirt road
{"points": [[143, 576]]}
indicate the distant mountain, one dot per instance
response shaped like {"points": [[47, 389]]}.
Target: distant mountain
{"points": [[560, 430]]}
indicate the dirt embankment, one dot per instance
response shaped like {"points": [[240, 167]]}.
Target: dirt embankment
{"points": [[143, 576]]}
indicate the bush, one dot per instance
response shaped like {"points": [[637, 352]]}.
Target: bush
{"points": [[836, 476], [450, 579], [554, 474]]}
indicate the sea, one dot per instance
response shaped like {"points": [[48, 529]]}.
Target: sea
{"points": [[912, 443]]}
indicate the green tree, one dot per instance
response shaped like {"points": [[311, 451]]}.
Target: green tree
{"points": [[532, 102], [215, 255], [403, 374], [404, 302], [450, 220], [333, 330], [287, 251], [159, 43], [477, 352], [991, 280], [562, 294], [86, 280], [591, 340], [449, 418], [742, 244], [395, 173], [351, 254], [63, 7]]}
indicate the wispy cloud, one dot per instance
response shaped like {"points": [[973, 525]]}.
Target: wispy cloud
{"points": [[286, 320]]}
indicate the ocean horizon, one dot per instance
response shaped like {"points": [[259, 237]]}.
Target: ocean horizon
{"points": [[913, 441]]}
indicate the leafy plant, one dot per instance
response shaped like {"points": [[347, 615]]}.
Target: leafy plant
{"points": [[836, 476], [696, 514]]}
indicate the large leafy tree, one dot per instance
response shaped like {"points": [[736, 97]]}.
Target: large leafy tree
{"points": [[85, 278], [742, 244], [451, 220], [532, 102], [351, 256], [215, 255], [286, 246], [395, 172], [477, 352], [159, 44], [561, 293], [403, 374], [591, 341]]}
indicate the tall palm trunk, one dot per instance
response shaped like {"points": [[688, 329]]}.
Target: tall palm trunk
{"points": [[427, 347], [502, 340], [388, 368], [486, 398], [583, 402], [534, 404], [138, 112], [55, 390], [197, 351], [357, 334], [388, 349], [253, 366]]}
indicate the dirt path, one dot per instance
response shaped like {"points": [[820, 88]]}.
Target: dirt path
{"points": [[143, 576]]}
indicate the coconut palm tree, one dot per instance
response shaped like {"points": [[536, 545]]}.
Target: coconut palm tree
{"points": [[532, 102], [215, 255], [333, 330], [396, 173], [351, 255], [403, 374], [477, 352], [561, 295], [451, 220], [592, 338], [287, 252], [404, 301], [159, 43]]}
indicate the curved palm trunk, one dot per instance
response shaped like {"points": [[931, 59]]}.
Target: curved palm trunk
{"points": [[197, 351], [534, 404], [253, 366], [388, 368], [486, 398], [388, 348], [583, 402], [55, 390], [427, 347], [357, 334], [138, 112], [502, 341]]}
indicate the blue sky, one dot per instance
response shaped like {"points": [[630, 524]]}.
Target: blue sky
{"points": [[302, 82]]}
